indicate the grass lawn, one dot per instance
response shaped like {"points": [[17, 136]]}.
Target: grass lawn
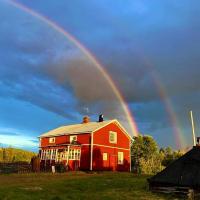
{"points": [[76, 186]]}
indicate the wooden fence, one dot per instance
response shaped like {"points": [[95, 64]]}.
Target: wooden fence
{"points": [[18, 167]]}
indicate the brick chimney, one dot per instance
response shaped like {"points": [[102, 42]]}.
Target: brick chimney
{"points": [[86, 119]]}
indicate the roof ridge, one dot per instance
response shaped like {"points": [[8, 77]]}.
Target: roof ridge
{"points": [[76, 128]]}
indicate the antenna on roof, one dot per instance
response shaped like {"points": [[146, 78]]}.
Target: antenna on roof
{"points": [[193, 129]]}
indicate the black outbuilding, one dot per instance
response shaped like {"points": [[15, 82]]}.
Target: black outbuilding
{"points": [[181, 175]]}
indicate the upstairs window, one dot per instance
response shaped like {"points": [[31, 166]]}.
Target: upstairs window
{"points": [[52, 140], [112, 137], [120, 158], [73, 138]]}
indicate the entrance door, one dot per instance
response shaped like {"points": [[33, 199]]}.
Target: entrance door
{"points": [[113, 161]]}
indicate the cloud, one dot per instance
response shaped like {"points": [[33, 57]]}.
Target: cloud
{"points": [[19, 142], [52, 73], [134, 41], [8, 131]]}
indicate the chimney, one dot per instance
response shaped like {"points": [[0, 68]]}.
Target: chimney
{"points": [[86, 119], [101, 118]]}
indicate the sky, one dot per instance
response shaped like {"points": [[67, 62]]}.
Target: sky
{"points": [[149, 48]]}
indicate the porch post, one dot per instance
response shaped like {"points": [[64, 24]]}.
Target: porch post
{"points": [[56, 156], [67, 154]]}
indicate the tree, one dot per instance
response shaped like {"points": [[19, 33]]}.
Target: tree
{"points": [[147, 158], [145, 155], [170, 156]]}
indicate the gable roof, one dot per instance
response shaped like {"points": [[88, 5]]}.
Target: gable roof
{"points": [[89, 127], [77, 128]]}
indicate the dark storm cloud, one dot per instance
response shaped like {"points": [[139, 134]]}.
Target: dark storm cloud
{"points": [[135, 39], [45, 69], [139, 35], [137, 42]]}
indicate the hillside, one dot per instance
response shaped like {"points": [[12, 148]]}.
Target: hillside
{"points": [[14, 155]]}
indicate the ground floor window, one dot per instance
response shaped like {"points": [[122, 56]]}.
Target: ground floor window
{"points": [[105, 156], [74, 154], [48, 154], [120, 158]]}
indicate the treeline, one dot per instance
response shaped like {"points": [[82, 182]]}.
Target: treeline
{"points": [[9, 154], [148, 158]]}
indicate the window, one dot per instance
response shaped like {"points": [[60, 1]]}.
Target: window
{"points": [[112, 137], [73, 138], [53, 154], [105, 156], [74, 154], [120, 158], [52, 140]]}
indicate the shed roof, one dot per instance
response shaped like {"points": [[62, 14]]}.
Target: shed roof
{"points": [[183, 172], [78, 128]]}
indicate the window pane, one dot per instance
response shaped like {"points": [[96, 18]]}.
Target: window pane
{"points": [[112, 137], [105, 156], [120, 158]]}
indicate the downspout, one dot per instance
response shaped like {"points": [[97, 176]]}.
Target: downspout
{"points": [[91, 152], [130, 143]]}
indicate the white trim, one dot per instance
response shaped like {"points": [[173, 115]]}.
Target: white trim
{"points": [[67, 155], [100, 145], [123, 129], [91, 152], [110, 147]]}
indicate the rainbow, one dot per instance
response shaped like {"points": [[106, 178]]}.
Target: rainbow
{"points": [[89, 55], [178, 135]]}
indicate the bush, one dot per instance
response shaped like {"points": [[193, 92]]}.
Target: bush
{"points": [[61, 168]]}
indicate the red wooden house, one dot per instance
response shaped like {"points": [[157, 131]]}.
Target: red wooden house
{"points": [[102, 145]]}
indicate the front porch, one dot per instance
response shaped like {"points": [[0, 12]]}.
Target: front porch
{"points": [[66, 155]]}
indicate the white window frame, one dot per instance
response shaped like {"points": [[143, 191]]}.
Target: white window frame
{"points": [[115, 137], [74, 154], [120, 158], [52, 140], [72, 137], [105, 156]]}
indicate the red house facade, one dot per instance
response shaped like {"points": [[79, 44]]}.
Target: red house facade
{"points": [[102, 145]]}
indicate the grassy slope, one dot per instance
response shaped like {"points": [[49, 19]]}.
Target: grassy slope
{"points": [[15, 155], [75, 186]]}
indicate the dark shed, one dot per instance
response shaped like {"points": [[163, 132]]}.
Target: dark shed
{"points": [[184, 172]]}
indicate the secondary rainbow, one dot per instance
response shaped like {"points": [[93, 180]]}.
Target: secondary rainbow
{"points": [[179, 139], [87, 53]]}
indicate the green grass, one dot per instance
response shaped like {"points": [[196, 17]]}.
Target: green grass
{"points": [[76, 186]]}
